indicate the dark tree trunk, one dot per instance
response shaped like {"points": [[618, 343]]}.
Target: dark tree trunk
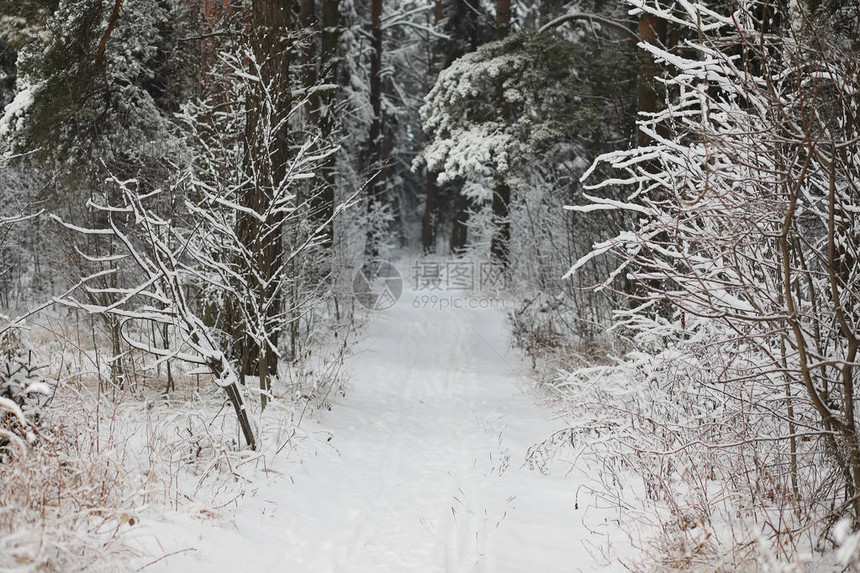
{"points": [[472, 28], [465, 29], [459, 229], [264, 238], [430, 222], [323, 203], [500, 243], [376, 187], [652, 30], [503, 19], [307, 22]]}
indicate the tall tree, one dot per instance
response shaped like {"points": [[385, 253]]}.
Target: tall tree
{"points": [[325, 104], [430, 220], [266, 155], [466, 34], [499, 245], [377, 193], [652, 31]]}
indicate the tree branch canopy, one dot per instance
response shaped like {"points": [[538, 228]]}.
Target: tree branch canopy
{"points": [[591, 18]]}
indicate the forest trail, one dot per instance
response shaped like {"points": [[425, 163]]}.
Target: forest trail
{"points": [[425, 471]]}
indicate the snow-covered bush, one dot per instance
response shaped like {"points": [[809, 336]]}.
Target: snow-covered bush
{"points": [[23, 390], [744, 259], [60, 511], [695, 464], [107, 465]]}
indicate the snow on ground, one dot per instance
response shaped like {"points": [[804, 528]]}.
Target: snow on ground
{"points": [[420, 467]]}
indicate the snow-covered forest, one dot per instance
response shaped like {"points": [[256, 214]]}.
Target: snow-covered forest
{"points": [[429, 285]]}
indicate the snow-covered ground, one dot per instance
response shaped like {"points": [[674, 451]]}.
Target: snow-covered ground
{"points": [[420, 467]]}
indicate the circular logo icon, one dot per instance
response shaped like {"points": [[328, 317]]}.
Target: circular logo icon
{"points": [[377, 285]]}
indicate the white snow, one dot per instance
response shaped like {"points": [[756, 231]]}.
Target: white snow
{"points": [[419, 467], [12, 119]]}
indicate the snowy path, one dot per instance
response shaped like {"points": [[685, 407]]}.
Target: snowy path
{"points": [[425, 472]]}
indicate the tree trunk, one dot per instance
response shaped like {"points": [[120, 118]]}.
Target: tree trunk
{"points": [[308, 22], [652, 30], [219, 370], [463, 27], [503, 19], [266, 156], [430, 221], [323, 203], [376, 187], [460, 227], [500, 243]]}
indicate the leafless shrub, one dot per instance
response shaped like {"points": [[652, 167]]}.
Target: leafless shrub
{"points": [[62, 505], [740, 397]]}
